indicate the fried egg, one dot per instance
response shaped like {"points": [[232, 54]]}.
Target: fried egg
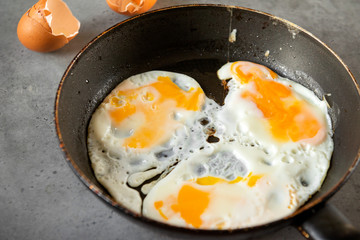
{"points": [[166, 151], [138, 132]]}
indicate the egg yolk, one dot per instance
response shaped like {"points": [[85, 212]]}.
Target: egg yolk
{"points": [[157, 103], [192, 202], [211, 180], [290, 118]]}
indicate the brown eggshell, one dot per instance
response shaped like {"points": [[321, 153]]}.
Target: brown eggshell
{"points": [[119, 6], [36, 37], [35, 33]]}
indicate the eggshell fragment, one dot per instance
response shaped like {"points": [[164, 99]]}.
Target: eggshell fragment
{"points": [[130, 7], [47, 26]]}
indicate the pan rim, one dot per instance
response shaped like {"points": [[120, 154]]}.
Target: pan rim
{"points": [[99, 192]]}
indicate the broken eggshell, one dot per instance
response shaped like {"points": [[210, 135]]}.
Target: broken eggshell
{"points": [[47, 26], [130, 7]]}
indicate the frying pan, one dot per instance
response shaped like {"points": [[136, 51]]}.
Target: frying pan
{"points": [[194, 40]]}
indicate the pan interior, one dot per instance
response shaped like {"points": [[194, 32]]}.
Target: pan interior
{"points": [[194, 40]]}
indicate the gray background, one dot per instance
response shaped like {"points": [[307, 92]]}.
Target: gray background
{"points": [[40, 196]]}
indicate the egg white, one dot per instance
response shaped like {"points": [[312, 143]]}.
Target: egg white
{"points": [[121, 170], [290, 172]]}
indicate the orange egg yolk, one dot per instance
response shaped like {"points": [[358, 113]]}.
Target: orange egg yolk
{"points": [[192, 202], [289, 118], [157, 102], [210, 180]]}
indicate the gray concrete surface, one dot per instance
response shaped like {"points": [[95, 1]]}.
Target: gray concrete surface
{"points": [[40, 196]]}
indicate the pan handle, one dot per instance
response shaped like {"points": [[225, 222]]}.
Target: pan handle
{"points": [[328, 223]]}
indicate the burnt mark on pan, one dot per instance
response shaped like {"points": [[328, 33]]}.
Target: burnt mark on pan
{"points": [[210, 130], [212, 139], [265, 25]]}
